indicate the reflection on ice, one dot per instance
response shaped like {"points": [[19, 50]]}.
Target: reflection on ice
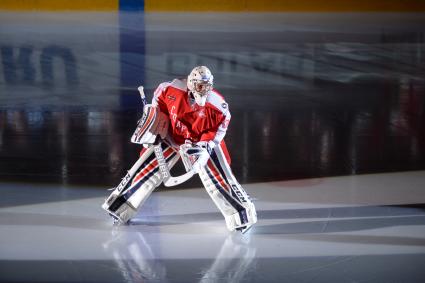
{"points": [[232, 263], [140, 257], [134, 257]]}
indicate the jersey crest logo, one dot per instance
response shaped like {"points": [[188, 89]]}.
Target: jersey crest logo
{"points": [[170, 97], [201, 113]]}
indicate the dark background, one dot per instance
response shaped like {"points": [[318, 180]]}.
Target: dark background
{"points": [[309, 96]]}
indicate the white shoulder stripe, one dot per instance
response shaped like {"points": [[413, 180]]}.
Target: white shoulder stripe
{"points": [[176, 83], [217, 101], [161, 88], [179, 84]]}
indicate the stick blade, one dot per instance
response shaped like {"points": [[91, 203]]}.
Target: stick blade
{"points": [[174, 181]]}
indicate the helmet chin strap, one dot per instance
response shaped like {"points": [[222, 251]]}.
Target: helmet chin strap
{"points": [[191, 97]]}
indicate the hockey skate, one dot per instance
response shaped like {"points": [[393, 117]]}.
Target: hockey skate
{"points": [[113, 205]]}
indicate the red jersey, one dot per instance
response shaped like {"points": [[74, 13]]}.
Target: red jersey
{"points": [[188, 120]]}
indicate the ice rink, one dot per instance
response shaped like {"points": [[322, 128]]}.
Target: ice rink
{"points": [[367, 228], [327, 136]]}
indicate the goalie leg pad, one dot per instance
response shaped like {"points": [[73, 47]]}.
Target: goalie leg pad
{"points": [[114, 200], [123, 206], [227, 194]]}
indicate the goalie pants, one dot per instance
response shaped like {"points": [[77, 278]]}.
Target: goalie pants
{"points": [[217, 178]]}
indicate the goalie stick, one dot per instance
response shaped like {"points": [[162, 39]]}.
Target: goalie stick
{"points": [[168, 180]]}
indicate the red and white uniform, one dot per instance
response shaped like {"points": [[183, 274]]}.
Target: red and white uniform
{"points": [[194, 123], [188, 120]]}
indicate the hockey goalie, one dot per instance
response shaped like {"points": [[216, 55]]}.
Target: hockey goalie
{"points": [[186, 120]]}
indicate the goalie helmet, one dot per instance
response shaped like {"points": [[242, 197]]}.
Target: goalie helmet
{"points": [[200, 83]]}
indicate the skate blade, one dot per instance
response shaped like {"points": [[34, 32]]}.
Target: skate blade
{"points": [[245, 229]]}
